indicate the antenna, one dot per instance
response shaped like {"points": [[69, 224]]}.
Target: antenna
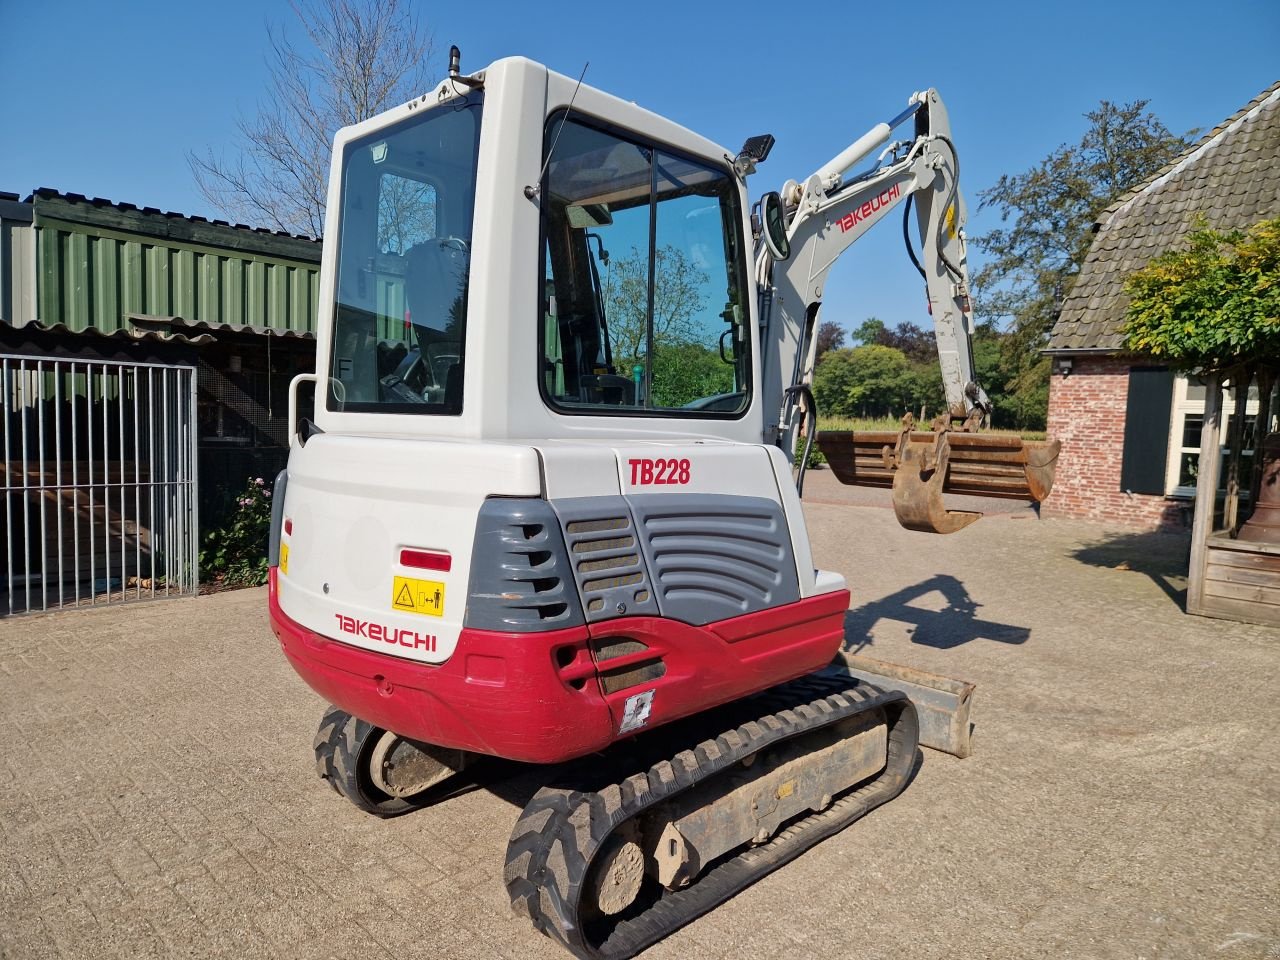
{"points": [[533, 190]]}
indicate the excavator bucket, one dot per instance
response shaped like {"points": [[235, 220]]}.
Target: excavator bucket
{"points": [[920, 466]]}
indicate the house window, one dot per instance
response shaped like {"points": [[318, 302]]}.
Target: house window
{"points": [[1184, 441]]}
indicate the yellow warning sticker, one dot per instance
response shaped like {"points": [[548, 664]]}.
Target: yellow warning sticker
{"points": [[284, 559], [418, 596]]}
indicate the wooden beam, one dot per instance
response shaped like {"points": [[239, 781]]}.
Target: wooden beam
{"points": [[1206, 491]]}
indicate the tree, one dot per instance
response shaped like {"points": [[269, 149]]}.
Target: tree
{"points": [[687, 371], [677, 298], [867, 381], [830, 337], [917, 344], [1213, 305], [870, 331], [1051, 209], [360, 58]]}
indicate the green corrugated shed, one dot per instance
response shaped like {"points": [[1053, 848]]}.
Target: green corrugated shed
{"points": [[99, 262]]}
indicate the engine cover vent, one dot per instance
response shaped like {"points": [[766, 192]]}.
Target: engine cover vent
{"points": [[520, 569], [715, 556], [606, 557]]}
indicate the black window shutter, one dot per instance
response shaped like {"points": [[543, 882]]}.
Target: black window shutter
{"points": [[1146, 430]]}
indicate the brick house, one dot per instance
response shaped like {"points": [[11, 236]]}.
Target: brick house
{"points": [[1130, 429]]}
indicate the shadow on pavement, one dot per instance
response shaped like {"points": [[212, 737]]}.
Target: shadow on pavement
{"points": [[1164, 557], [951, 626]]}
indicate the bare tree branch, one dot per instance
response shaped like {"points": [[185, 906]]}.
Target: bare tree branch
{"points": [[353, 59]]}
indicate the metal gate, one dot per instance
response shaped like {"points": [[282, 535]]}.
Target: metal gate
{"points": [[99, 482]]}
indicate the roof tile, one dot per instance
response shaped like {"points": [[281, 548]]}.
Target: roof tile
{"points": [[1230, 179]]}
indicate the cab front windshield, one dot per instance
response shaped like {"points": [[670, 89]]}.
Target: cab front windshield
{"points": [[403, 256]]}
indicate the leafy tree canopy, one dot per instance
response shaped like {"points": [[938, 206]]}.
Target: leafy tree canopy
{"points": [[1048, 214], [1214, 304], [875, 381], [830, 337], [677, 300]]}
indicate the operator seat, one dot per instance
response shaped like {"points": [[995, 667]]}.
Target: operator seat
{"points": [[435, 277]]}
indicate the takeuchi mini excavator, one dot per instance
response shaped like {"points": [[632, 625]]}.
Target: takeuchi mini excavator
{"points": [[545, 507]]}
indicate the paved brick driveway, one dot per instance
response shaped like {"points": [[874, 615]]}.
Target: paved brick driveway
{"points": [[157, 796]]}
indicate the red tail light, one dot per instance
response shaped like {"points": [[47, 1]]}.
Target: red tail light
{"points": [[288, 525], [426, 559]]}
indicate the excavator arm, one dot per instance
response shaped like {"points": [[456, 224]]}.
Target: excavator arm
{"points": [[803, 231]]}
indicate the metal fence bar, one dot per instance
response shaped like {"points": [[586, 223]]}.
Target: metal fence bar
{"points": [[137, 493], [106, 489], [193, 459], [93, 433], [75, 479], [8, 499], [40, 397], [168, 504], [151, 466], [26, 503], [57, 474], [93, 552], [124, 522]]}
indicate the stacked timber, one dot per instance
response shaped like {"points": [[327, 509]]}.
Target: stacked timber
{"points": [[1000, 465]]}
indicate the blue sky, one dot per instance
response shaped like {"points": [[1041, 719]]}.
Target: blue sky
{"points": [[105, 99]]}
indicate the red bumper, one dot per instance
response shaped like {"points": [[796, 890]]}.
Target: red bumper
{"points": [[537, 697]]}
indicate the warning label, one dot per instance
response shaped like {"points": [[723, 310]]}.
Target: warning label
{"points": [[418, 596], [284, 559]]}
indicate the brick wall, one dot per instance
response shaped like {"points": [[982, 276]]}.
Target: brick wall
{"points": [[1086, 412]]}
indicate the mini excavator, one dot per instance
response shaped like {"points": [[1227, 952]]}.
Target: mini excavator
{"points": [[545, 505]]}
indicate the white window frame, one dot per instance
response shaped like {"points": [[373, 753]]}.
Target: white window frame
{"points": [[1183, 407]]}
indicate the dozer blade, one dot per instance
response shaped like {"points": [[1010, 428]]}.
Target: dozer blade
{"points": [[942, 703], [921, 466], [608, 870]]}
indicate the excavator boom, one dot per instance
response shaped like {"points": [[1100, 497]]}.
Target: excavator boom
{"points": [[814, 224]]}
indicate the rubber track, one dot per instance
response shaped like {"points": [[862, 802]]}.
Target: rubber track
{"points": [[560, 830], [340, 746]]}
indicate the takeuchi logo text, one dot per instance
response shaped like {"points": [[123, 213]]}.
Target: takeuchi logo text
{"points": [[392, 635], [876, 203]]}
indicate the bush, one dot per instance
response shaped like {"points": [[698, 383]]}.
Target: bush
{"points": [[816, 458], [236, 554]]}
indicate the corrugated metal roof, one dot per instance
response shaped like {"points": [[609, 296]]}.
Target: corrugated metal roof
{"points": [[126, 333], [1231, 179], [150, 322], [100, 203], [99, 262]]}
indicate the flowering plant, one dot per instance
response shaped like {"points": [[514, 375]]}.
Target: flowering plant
{"points": [[236, 554]]}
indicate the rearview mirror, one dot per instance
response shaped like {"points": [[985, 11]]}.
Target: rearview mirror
{"points": [[774, 226]]}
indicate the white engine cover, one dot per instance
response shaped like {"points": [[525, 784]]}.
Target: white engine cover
{"points": [[353, 503]]}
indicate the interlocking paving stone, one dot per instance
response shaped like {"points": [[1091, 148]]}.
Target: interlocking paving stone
{"points": [[158, 798]]}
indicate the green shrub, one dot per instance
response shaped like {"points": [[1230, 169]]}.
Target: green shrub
{"points": [[816, 459], [235, 554]]}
